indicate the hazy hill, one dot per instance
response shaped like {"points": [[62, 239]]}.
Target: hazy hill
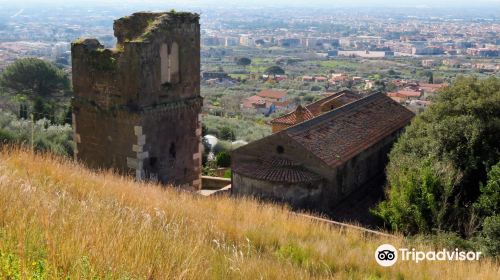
{"points": [[58, 219]]}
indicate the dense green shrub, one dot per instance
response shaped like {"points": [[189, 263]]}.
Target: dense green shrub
{"points": [[489, 239], [315, 88], [274, 70], [226, 133], [448, 240], [222, 146], [488, 203], [6, 137], [243, 61], [46, 136], [223, 159], [439, 163]]}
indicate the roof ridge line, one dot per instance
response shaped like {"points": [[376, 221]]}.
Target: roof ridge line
{"points": [[334, 95], [328, 115]]}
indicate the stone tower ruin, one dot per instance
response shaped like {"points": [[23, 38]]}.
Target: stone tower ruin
{"points": [[137, 107]]}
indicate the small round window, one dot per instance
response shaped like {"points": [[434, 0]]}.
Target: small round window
{"points": [[280, 149]]}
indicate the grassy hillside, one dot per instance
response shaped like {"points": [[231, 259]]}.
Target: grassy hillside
{"points": [[59, 220]]}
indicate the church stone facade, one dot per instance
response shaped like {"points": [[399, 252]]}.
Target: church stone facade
{"points": [[137, 107]]}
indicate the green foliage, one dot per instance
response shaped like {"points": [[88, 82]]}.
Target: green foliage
{"points": [[221, 146], [437, 166], [243, 61], [489, 239], [420, 198], [36, 87], [209, 168], [315, 88], [6, 137], [274, 70], [226, 133], [448, 240], [244, 129], [44, 109], [10, 266], [293, 253], [34, 77], [228, 174], [488, 203], [223, 159], [56, 139]]}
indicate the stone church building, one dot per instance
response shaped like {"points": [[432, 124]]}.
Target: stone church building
{"points": [[137, 107], [315, 163]]}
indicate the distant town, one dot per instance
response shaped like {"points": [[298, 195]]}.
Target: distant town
{"points": [[406, 53]]}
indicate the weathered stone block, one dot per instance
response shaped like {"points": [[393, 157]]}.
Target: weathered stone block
{"points": [[138, 130], [141, 140], [138, 148], [134, 163], [143, 155]]}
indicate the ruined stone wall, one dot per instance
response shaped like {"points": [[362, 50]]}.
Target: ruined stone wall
{"points": [[139, 104], [103, 139], [173, 143]]}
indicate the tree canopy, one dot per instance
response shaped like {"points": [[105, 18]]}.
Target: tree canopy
{"points": [[440, 162], [275, 70], [227, 133], [34, 78], [243, 61]]}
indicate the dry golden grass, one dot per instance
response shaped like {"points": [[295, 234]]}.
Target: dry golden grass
{"points": [[59, 220]]}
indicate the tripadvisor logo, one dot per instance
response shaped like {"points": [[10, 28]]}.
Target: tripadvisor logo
{"points": [[387, 255]]}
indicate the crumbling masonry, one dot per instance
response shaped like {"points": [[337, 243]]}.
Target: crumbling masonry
{"points": [[137, 107]]}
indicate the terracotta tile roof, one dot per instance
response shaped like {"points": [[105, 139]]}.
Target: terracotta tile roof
{"points": [[432, 87], [275, 170], [299, 115], [338, 135], [398, 99], [281, 104], [274, 94], [251, 101], [343, 97], [314, 109], [405, 93]]}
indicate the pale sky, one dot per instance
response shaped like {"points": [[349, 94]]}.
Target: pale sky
{"points": [[310, 3]]}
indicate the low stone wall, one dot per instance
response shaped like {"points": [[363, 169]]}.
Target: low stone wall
{"points": [[214, 183]]}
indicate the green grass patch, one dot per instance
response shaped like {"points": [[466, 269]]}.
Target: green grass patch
{"points": [[339, 64], [239, 76]]}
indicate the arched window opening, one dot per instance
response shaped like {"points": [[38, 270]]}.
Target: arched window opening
{"points": [[164, 58], [174, 64]]}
